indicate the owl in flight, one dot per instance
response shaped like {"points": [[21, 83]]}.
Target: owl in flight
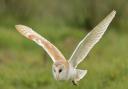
{"points": [[67, 69]]}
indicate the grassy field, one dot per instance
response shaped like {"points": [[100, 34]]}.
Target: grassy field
{"points": [[24, 65]]}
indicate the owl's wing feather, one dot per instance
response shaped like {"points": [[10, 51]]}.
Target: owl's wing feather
{"points": [[90, 40], [53, 52]]}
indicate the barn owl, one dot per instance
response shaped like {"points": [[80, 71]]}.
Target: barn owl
{"points": [[63, 69]]}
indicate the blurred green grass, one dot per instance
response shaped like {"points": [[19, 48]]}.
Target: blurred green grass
{"points": [[24, 65]]}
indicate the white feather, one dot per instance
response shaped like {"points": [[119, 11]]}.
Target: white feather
{"points": [[90, 40]]}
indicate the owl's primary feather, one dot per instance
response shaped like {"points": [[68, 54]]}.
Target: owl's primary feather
{"points": [[90, 40], [53, 52]]}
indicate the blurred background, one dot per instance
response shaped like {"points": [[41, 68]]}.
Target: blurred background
{"points": [[24, 65]]}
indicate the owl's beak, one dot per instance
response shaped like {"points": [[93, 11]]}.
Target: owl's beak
{"points": [[57, 76]]}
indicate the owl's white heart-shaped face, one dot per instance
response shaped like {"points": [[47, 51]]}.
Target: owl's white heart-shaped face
{"points": [[60, 71]]}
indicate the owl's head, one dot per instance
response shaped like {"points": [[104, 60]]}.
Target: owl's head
{"points": [[60, 70]]}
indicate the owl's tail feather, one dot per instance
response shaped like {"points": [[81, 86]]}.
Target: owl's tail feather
{"points": [[80, 74]]}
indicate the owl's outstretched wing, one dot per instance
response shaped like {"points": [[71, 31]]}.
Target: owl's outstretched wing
{"points": [[53, 52], [90, 40]]}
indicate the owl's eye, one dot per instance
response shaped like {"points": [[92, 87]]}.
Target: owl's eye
{"points": [[60, 70]]}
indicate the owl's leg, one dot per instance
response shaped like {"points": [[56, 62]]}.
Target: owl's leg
{"points": [[74, 82]]}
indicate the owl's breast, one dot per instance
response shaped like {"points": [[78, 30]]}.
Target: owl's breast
{"points": [[71, 73]]}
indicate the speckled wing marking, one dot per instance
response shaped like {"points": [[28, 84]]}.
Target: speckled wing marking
{"points": [[90, 40], [53, 52]]}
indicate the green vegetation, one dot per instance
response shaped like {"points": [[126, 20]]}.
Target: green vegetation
{"points": [[24, 65]]}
